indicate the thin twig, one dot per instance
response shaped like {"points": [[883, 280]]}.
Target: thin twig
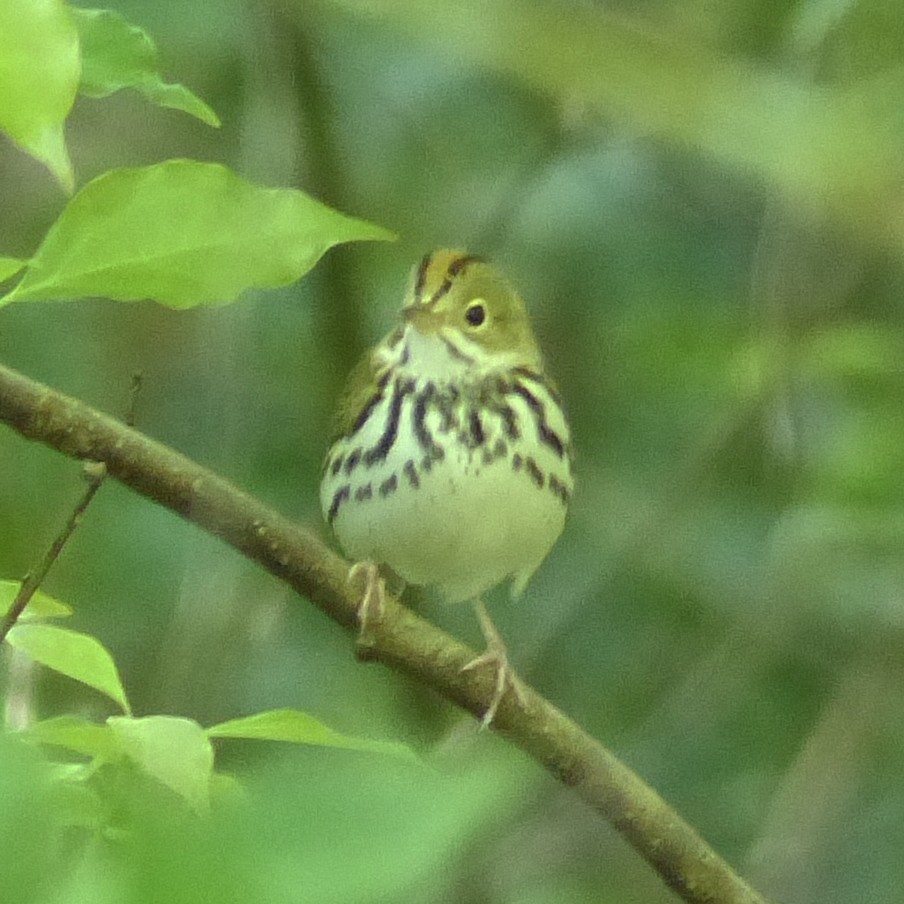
{"points": [[401, 639], [95, 473]]}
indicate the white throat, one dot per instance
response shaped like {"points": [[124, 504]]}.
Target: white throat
{"points": [[439, 358], [446, 357]]}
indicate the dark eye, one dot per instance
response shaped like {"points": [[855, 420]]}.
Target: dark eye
{"points": [[475, 313]]}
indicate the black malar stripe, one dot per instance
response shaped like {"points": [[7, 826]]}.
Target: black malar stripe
{"points": [[365, 413], [379, 452], [544, 431]]}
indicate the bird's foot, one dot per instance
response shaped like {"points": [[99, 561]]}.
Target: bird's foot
{"points": [[367, 577], [496, 656]]}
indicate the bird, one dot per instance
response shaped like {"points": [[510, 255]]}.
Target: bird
{"points": [[451, 461]]}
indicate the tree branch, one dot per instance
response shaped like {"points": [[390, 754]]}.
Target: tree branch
{"points": [[400, 639]]}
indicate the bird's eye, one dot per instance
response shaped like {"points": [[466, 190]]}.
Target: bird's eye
{"points": [[475, 313]]}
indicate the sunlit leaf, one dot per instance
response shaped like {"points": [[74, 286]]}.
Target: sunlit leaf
{"points": [[78, 735], [183, 233], [9, 266], [117, 55], [300, 728], [39, 73], [174, 751], [41, 605], [70, 653]]}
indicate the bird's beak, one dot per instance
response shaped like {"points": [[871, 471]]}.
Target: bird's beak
{"points": [[422, 318]]}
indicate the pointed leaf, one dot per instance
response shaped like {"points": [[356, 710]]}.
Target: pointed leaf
{"points": [[39, 606], [176, 752], [9, 266], [117, 54], [70, 653], [78, 735], [183, 233], [39, 73], [300, 728]]}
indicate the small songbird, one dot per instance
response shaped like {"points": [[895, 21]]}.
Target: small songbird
{"points": [[451, 462]]}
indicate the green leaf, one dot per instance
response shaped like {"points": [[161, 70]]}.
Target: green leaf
{"points": [[300, 728], [39, 606], [74, 803], [39, 73], [28, 854], [78, 735], [9, 266], [70, 653], [174, 751], [183, 233], [419, 819], [117, 55]]}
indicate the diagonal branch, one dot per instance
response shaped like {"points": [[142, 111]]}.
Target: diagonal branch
{"points": [[400, 639]]}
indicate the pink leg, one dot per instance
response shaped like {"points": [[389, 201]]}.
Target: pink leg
{"points": [[496, 656], [373, 593]]}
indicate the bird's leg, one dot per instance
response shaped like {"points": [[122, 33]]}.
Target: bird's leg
{"points": [[366, 575], [497, 656]]}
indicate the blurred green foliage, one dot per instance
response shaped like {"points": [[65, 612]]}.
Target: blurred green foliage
{"points": [[701, 204]]}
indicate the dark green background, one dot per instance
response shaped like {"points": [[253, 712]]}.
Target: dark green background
{"points": [[713, 263]]}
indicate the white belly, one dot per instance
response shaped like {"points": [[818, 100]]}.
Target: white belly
{"points": [[464, 521]]}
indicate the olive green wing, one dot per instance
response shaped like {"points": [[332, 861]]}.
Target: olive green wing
{"points": [[362, 388]]}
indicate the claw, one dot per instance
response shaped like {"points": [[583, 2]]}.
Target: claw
{"points": [[373, 594], [496, 656]]}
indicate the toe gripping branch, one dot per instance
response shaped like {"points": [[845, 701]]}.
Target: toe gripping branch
{"points": [[365, 578], [369, 585]]}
